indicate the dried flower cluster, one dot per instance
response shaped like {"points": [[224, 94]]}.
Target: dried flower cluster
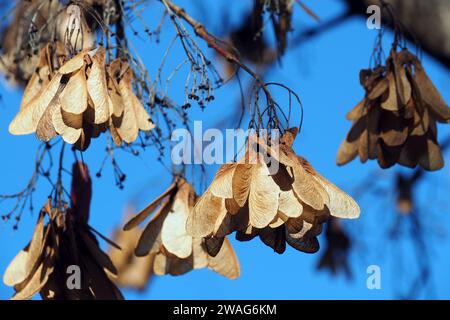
{"points": [[396, 120], [289, 205], [175, 251], [66, 240]]}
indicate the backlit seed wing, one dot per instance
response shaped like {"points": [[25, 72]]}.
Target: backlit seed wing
{"points": [[430, 94], [297, 228], [99, 256], [142, 117], [228, 223], [421, 122], [204, 217], [116, 107], [431, 159], [72, 120], [150, 240], [34, 86], [232, 206], [37, 243], [173, 233], [357, 111], [69, 134], [34, 284], [17, 270], [387, 156], [296, 225], [347, 152], [241, 183], [97, 88], [369, 138], [380, 88], [404, 89], [341, 205], [278, 221], [263, 197], [141, 216], [307, 244], [226, 262], [199, 254], [289, 204], [74, 97], [221, 186], [73, 65], [160, 264], [168, 264], [26, 121], [85, 139], [409, 154], [213, 245], [274, 238], [393, 129], [45, 129], [391, 103], [128, 128], [114, 133], [306, 189]]}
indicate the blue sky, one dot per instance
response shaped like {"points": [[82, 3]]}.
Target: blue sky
{"points": [[324, 72]]}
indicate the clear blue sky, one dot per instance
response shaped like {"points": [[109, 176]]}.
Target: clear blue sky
{"points": [[324, 71]]}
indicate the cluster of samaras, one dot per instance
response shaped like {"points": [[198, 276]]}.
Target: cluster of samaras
{"points": [[287, 205], [80, 97], [165, 238], [62, 247], [44, 264], [396, 121]]}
